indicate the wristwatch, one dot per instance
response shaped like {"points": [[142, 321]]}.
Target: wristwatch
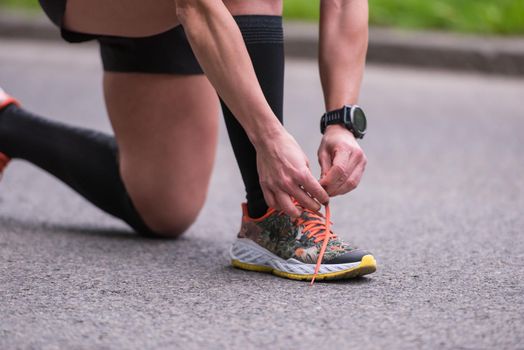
{"points": [[352, 117]]}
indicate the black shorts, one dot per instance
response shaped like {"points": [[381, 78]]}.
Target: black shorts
{"points": [[168, 52]]}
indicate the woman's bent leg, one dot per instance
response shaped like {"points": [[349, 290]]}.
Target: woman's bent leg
{"points": [[166, 129], [260, 24]]}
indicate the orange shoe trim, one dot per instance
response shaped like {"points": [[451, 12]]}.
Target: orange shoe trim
{"points": [[3, 161], [9, 100], [3, 158], [246, 217]]}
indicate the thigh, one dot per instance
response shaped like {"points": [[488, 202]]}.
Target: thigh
{"points": [[128, 18], [166, 130], [138, 18]]}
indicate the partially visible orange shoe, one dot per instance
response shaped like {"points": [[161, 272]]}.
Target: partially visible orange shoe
{"points": [[3, 163], [5, 100]]}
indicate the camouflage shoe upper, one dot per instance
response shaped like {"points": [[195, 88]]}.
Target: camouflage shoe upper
{"points": [[300, 239]]}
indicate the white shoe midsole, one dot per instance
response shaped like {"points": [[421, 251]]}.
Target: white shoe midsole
{"points": [[249, 252]]}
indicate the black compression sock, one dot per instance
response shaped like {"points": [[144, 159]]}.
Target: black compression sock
{"points": [[263, 36], [86, 160]]}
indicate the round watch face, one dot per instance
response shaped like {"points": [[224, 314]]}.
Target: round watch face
{"points": [[359, 120]]}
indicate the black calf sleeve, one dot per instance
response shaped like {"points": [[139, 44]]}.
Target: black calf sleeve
{"points": [[86, 160], [263, 36]]}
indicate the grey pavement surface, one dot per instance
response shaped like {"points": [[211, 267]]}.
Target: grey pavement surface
{"points": [[422, 48], [441, 206]]}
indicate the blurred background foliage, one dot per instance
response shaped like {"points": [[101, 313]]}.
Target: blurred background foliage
{"points": [[469, 16]]}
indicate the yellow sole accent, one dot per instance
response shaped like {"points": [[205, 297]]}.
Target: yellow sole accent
{"points": [[367, 265]]}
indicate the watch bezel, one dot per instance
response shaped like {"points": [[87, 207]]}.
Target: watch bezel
{"points": [[350, 124], [348, 120]]}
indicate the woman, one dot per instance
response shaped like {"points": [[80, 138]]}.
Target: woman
{"points": [[164, 61]]}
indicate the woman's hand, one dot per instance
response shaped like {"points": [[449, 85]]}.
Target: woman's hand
{"points": [[341, 159], [284, 172]]}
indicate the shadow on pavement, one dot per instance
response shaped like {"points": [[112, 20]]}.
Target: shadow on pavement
{"points": [[14, 224], [207, 257]]}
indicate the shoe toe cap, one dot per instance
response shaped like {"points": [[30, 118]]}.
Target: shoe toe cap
{"points": [[352, 256]]}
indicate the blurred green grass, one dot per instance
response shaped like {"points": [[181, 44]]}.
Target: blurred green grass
{"points": [[468, 16], [28, 4]]}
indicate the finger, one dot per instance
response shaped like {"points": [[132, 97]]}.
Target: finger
{"points": [[352, 182], [338, 173], [305, 199], [269, 197], [313, 187], [356, 168], [324, 160], [286, 204]]}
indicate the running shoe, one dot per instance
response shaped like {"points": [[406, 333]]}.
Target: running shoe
{"points": [[5, 100], [289, 248]]}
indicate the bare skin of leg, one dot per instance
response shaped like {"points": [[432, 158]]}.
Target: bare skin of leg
{"points": [[165, 125], [166, 129], [136, 18]]}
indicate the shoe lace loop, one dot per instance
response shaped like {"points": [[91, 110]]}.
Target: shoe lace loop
{"points": [[315, 224]]}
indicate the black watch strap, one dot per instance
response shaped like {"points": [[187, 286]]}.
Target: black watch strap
{"points": [[333, 117]]}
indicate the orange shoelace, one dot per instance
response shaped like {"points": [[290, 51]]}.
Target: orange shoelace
{"points": [[318, 227], [327, 236]]}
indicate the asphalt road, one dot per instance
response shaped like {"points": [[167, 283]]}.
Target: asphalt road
{"points": [[441, 206]]}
